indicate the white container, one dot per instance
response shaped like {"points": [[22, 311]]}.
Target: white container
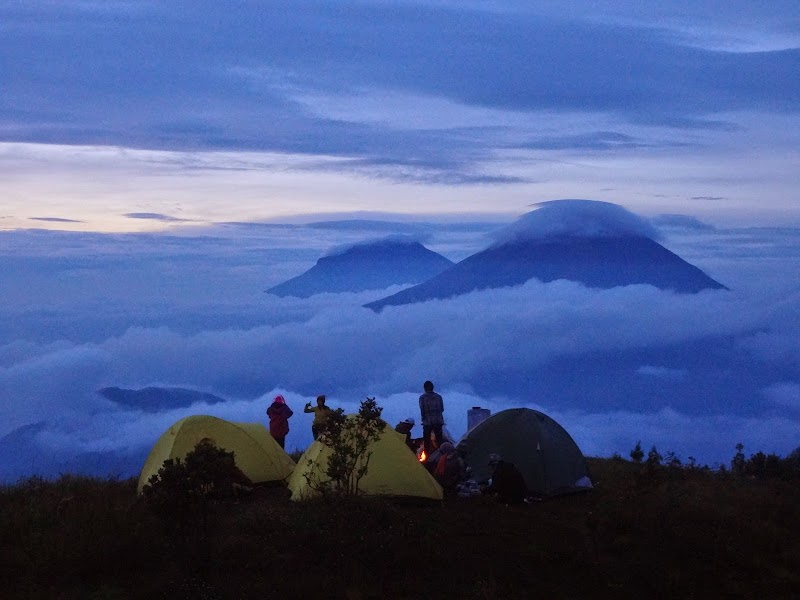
{"points": [[476, 415]]}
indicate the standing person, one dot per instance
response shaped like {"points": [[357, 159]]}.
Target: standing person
{"points": [[279, 413], [431, 408], [321, 415]]}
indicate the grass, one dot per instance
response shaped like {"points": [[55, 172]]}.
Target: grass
{"points": [[665, 533]]}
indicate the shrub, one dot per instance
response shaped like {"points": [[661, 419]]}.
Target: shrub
{"points": [[738, 461], [181, 490], [672, 460], [653, 459], [637, 454], [793, 463], [349, 438], [768, 466]]}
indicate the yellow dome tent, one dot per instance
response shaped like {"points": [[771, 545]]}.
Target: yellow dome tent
{"points": [[393, 470], [256, 453]]}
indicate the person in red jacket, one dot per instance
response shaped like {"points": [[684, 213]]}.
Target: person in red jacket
{"points": [[450, 469], [279, 413]]}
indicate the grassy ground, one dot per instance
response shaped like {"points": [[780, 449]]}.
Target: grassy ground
{"points": [[671, 533]]}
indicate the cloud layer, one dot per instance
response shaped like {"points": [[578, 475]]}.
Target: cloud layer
{"points": [[583, 218], [612, 365], [329, 80]]}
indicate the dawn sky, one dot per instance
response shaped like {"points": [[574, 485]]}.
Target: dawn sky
{"points": [[139, 115]]}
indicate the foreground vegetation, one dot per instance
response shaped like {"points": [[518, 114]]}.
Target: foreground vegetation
{"points": [[647, 530]]}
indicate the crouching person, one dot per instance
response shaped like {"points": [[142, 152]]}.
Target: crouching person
{"points": [[450, 469], [507, 482]]}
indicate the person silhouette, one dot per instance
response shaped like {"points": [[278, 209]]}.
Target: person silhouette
{"points": [[321, 415], [431, 408], [279, 413]]}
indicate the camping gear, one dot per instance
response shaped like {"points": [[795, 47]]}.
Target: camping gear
{"points": [[255, 451], [393, 470], [548, 458]]}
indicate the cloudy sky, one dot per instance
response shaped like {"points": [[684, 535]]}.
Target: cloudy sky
{"points": [[241, 111], [165, 163]]}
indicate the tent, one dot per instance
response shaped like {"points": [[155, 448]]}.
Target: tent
{"points": [[256, 453], [393, 470], [548, 458]]}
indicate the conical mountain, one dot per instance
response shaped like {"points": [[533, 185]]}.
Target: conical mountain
{"points": [[367, 266], [598, 244]]}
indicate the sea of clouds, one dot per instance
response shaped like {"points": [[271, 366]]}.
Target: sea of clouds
{"points": [[694, 374]]}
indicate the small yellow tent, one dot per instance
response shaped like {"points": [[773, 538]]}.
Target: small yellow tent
{"points": [[256, 453], [393, 470]]}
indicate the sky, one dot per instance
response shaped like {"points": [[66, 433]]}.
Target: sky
{"points": [[200, 112], [165, 163]]}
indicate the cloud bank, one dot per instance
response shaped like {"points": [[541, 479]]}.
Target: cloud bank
{"points": [[612, 365]]}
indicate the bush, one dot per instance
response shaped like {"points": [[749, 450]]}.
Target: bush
{"points": [[349, 439], [182, 490], [653, 459], [672, 460], [738, 461], [637, 454]]}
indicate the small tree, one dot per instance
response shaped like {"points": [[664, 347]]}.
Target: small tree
{"points": [[792, 464], [738, 461], [637, 454], [767, 466], [653, 459], [348, 438], [756, 466], [672, 460]]}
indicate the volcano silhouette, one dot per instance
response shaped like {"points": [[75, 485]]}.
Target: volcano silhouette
{"points": [[368, 266], [601, 259]]}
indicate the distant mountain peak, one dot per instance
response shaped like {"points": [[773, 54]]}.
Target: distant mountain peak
{"points": [[389, 242], [598, 244], [154, 399], [371, 265]]}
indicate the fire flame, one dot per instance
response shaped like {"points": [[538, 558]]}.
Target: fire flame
{"points": [[423, 457]]}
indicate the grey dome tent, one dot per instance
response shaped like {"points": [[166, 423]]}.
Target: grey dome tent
{"points": [[548, 458]]}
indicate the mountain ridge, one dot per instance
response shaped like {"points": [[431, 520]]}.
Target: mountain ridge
{"points": [[153, 399]]}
